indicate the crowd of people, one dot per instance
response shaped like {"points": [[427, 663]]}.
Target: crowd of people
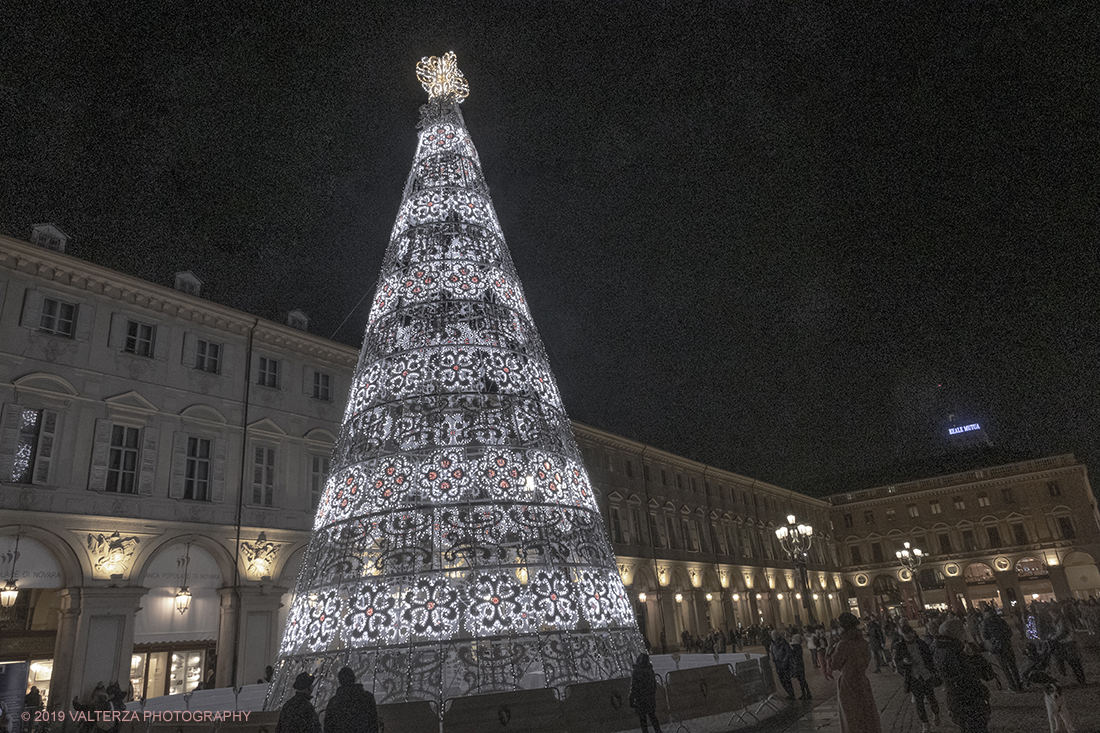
{"points": [[961, 652]]}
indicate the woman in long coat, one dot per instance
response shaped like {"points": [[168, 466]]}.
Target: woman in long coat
{"points": [[850, 657]]}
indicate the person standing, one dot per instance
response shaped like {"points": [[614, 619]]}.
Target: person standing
{"points": [[876, 637], [780, 653], [297, 714], [811, 645], [351, 709], [798, 666], [913, 658], [850, 657], [997, 635], [1064, 646], [643, 693], [962, 668]]}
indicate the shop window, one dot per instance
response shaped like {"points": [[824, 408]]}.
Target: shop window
{"points": [[157, 671]]}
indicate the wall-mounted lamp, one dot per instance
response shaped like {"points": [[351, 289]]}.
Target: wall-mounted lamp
{"points": [[679, 597], [641, 597], [183, 597], [710, 596], [10, 592]]}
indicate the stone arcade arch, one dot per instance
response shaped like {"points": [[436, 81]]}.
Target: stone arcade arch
{"points": [[1082, 574]]}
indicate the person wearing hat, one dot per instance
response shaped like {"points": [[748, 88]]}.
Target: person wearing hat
{"points": [[962, 668], [297, 714], [351, 709], [850, 657]]}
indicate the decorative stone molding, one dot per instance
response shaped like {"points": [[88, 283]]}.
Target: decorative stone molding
{"points": [[111, 555], [260, 556]]}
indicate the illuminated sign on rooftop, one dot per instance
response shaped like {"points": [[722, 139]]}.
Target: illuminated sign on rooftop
{"points": [[964, 429]]}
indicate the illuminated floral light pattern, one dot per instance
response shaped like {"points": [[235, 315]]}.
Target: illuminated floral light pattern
{"points": [[457, 547]]}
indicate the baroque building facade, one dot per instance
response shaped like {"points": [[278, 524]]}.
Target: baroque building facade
{"points": [[153, 441]]}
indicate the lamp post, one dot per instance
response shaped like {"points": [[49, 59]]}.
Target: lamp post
{"points": [[910, 558], [796, 540]]}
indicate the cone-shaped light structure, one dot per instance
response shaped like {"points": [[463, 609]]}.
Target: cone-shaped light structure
{"points": [[457, 548]]}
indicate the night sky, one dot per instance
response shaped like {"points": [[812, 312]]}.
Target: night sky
{"points": [[781, 238]]}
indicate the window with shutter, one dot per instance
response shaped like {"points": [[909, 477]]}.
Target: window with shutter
{"points": [[263, 476], [28, 444], [122, 460]]}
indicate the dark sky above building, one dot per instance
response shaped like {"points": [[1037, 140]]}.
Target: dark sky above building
{"points": [[784, 239]]}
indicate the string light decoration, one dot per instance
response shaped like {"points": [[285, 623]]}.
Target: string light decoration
{"points": [[457, 547], [441, 77]]}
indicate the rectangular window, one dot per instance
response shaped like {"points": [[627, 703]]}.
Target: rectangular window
{"points": [[263, 476], [122, 461], [58, 318], [664, 477], [969, 543], [139, 338], [983, 499], [196, 480], [994, 537], [1054, 488], [891, 515], [857, 556], [322, 386], [692, 480], [868, 517], [934, 506], [959, 503], [849, 521], [616, 526], [945, 543], [914, 511], [208, 356], [1019, 531], [876, 551], [629, 468], [645, 471], [608, 462], [318, 476], [1007, 496], [673, 538], [1065, 525], [35, 446], [654, 531], [691, 535], [269, 372], [636, 525], [679, 482]]}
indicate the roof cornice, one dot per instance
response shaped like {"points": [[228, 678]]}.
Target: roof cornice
{"points": [[78, 274]]}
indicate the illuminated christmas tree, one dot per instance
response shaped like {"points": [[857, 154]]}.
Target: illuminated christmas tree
{"points": [[457, 548]]}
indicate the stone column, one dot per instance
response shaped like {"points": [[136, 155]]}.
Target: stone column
{"points": [[61, 693], [1059, 582], [103, 640], [227, 638], [256, 644]]}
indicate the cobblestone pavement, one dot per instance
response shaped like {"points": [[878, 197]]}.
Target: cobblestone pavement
{"points": [[1023, 712]]}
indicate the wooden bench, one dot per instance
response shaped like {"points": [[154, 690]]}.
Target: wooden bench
{"points": [[407, 717], [521, 711], [599, 707]]}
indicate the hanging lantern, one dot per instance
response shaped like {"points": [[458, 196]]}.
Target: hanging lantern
{"points": [[9, 594], [183, 600]]}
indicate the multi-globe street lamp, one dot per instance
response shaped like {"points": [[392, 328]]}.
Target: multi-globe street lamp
{"points": [[910, 558], [796, 540]]}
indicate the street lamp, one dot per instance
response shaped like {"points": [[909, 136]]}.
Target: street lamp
{"points": [[796, 540], [910, 558], [10, 593]]}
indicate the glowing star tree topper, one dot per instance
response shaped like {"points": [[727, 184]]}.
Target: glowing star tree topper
{"points": [[441, 77], [457, 547]]}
